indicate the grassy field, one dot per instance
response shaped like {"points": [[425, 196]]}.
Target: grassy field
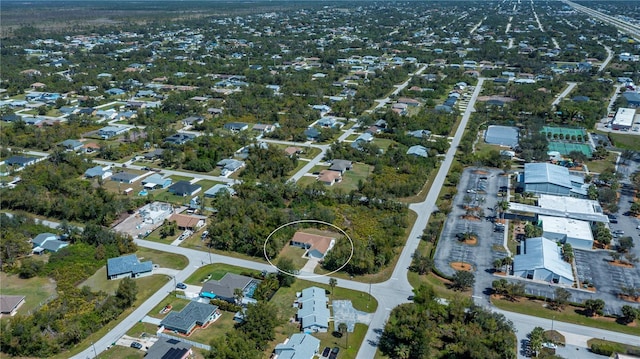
{"points": [[570, 315], [223, 325], [214, 272], [294, 254], [163, 259], [142, 328], [598, 166], [36, 290], [350, 179], [98, 281], [623, 141], [177, 305], [206, 184], [121, 352], [620, 348]]}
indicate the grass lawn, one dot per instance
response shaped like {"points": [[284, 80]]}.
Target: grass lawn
{"points": [[483, 149], [177, 305], [350, 179], [146, 287], [285, 296], [623, 141], [354, 340], [307, 180], [223, 325], [163, 259], [384, 143], [294, 254], [298, 168], [177, 178], [598, 166], [36, 290], [121, 352], [98, 281], [142, 328], [215, 272], [569, 315], [206, 184]]}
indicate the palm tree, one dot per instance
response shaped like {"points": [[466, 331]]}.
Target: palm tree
{"points": [[342, 328], [238, 294], [332, 283]]}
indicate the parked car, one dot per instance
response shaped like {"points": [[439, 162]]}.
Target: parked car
{"points": [[181, 286], [618, 232], [613, 218], [136, 345], [325, 352], [334, 353]]}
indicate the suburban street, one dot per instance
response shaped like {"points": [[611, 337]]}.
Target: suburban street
{"points": [[564, 93]]}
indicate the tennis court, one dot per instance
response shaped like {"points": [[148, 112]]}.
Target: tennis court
{"points": [[566, 132], [564, 148]]}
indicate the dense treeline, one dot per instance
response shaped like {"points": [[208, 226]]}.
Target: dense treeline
{"points": [[44, 138], [428, 329], [243, 223], [268, 163], [54, 188]]}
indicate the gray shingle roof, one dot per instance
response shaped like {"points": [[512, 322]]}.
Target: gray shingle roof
{"points": [[224, 287], [195, 313], [168, 349], [127, 264]]}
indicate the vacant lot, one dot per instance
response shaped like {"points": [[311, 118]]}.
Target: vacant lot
{"points": [[36, 290]]}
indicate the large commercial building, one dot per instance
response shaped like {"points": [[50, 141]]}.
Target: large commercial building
{"points": [[567, 230], [546, 178], [541, 260], [623, 121]]}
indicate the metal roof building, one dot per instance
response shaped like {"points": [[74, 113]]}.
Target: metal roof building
{"points": [[567, 230], [624, 119], [541, 259], [502, 135], [546, 178]]}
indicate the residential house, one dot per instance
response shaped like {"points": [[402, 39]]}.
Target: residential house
{"points": [[169, 348], [313, 311], [312, 134], [154, 155], [214, 111], [98, 172], [419, 151], [90, 147], [180, 138], [192, 120], [184, 221], [298, 346], [47, 242], [112, 131], [184, 188], [317, 246], [362, 138], [213, 191], [72, 145], [194, 314], [20, 161], [419, 133], [12, 117], [263, 128], [156, 181], [9, 304], [341, 165], [225, 288], [292, 150], [329, 177], [236, 126], [116, 91], [128, 266], [124, 177], [229, 166], [409, 101]]}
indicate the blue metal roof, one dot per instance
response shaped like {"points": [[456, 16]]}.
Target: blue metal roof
{"points": [[542, 253], [547, 173], [127, 264]]}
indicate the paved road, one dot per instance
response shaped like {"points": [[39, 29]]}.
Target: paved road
{"points": [[399, 284], [608, 59], [564, 93]]}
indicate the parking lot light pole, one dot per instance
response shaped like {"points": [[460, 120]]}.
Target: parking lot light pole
{"points": [[552, 319]]}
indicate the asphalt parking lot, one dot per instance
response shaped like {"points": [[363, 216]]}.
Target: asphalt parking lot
{"points": [[482, 187]]}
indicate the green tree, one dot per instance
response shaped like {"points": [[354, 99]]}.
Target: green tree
{"points": [[463, 280], [630, 314], [233, 345], [421, 263], [30, 268], [287, 278], [567, 252], [560, 300], [127, 292], [12, 246], [342, 328], [625, 244], [594, 306], [332, 283], [536, 339], [260, 320]]}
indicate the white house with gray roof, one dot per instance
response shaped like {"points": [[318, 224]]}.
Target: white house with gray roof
{"points": [[194, 314], [298, 346], [128, 266], [313, 311]]}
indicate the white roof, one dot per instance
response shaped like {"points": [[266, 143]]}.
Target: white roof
{"points": [[624, 117], [569, 204], [542, 253], [570, 227]]}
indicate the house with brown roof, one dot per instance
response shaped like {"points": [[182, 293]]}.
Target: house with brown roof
{"points": [[291, 150], [185, 221], [317, 246], [329, 177], [9, 304]]}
